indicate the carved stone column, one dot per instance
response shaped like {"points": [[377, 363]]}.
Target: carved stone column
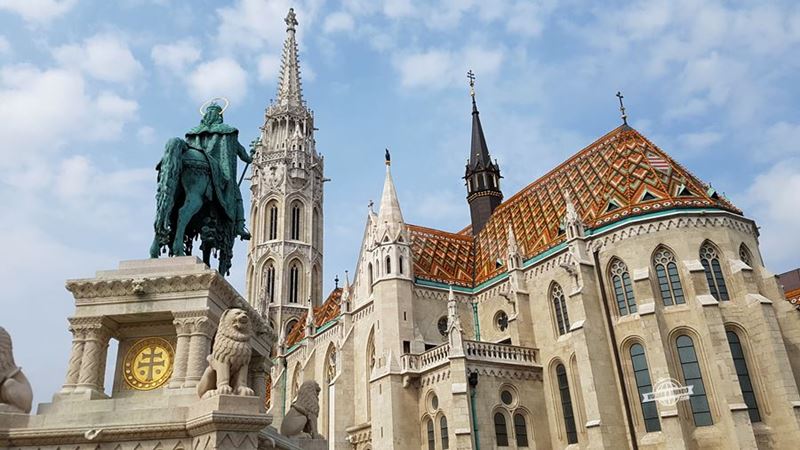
{"points": [[183, 330], [95, 351], [202, 330], [75, 357]]}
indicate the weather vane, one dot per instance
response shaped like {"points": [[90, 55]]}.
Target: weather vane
{"points": [[622, 108]]}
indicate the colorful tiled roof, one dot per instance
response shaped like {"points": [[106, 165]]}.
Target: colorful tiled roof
{"points": [[791, 286], [620, 175], [442, 256], [323, 314]]}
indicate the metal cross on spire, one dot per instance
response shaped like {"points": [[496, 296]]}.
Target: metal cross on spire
{"points": [[622, 108], [471, 78]]}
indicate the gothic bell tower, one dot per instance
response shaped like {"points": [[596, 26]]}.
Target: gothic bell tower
{"points": [[482, 175], [285, 258]]}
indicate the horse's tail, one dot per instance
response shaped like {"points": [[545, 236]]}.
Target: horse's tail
{"points": [[169, 171]]}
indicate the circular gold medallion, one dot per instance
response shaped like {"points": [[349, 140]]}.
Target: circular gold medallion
{"points": [[148, 364]]}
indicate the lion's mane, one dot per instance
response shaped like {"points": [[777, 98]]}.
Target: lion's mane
{"points": [[232, 344], [308, 398]]}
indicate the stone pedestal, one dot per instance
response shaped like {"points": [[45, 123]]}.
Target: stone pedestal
{"points": [[175, 303]]}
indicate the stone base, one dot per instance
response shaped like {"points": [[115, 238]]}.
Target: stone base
{"points": [[311, 444]]}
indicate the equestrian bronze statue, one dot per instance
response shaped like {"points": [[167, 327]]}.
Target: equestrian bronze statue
{"points": [[198, 196]]}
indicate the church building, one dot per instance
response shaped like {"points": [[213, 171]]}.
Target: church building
{"points": [[615, 302]]}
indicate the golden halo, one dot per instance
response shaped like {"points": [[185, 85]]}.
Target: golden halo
{"points": [[213, 100]]}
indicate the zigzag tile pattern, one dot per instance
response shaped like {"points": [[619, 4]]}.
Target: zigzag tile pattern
{"points": [[323, 314], [620, 175]]}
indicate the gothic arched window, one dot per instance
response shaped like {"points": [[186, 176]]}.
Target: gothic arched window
{"points": [[566, 405], [289, 326], [400, 264], [669, 282], [443, 432], [294, 283], [297, 213], [641, 374], [269, 286], [388, 265], [272, 222], [745, 255], [431, 436], [693, 376], [623, 288], [743, 374], [559, 308], [520, 430], [716, 282], [500, 430], [371, 277]]}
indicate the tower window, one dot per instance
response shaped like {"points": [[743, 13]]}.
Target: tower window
{"points": [[743, 374], [294, 283], [643, 385], [388, 265], [270, 283], [400, 265], [716, 282], [296, 219], [669, 282], [371, 277], [500, 430], [566, 405], [623, 288], [560, 309], [692, 376], [273, 222]]}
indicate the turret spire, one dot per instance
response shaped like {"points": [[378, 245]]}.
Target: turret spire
{"points": [[482, 174], [289, 87], [389, 213]]}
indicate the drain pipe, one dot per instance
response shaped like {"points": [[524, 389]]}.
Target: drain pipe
{"points": [[625, 401], [475, 320], [473, 384]]}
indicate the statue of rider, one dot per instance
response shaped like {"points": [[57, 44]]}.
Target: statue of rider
{"points": [[219, 143]]}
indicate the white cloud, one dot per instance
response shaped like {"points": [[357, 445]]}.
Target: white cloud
{"points": [[222, 77], [269, 66], [782, 140], [772, 200], [38, 11], [177, 56], [338, 22], [398, 8], [256, 25], [437, 68], [115, 112], [102, 56]]}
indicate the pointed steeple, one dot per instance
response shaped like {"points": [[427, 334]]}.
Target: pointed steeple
{"points": [[482, 174], [289, 87], [389, 214]]}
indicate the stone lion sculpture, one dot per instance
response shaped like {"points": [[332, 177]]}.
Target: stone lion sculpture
{"points": [[301, 420], [16, 394], [229, 360]]}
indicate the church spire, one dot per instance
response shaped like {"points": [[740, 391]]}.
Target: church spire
{"points": [[482, 174], [289, 87], [389, 213]]}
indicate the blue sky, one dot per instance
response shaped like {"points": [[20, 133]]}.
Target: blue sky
{"points": [[90, 90]]}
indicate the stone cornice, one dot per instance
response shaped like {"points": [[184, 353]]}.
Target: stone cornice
{"points": [[115, 287]]}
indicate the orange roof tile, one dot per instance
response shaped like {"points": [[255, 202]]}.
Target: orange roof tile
{"points": [[323, 314], [620, 175]]}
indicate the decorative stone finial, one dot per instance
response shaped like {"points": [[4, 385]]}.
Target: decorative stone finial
{"points": [[387, 158], [291, 20], [16, 394]]}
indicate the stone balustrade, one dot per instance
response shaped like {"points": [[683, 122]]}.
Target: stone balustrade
{"points": [[501, 353]]}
